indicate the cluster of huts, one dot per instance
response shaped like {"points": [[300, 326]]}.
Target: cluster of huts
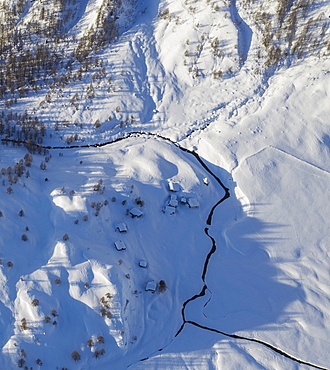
{"points": [[120, 245], [175, 199]]}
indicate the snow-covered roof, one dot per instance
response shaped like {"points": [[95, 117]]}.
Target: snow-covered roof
{"points": [[135, 212], [183, 200], [173, 186], [173, 202], [193, 203], [120, 245], [143, 263], [151, 286], [168, 210], [121, 227]]}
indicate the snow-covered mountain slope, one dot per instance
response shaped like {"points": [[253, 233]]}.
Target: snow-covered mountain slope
{"points": [[103, 104], [178, 67]]}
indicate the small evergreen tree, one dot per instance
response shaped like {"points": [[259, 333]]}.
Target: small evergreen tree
{"points": [[75, 356], [100, 339], [20, 362], [99, 353], [43, 166], [162, 286], [23, 325]]}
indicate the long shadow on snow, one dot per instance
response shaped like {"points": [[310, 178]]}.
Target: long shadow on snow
{"points": [[240, 291], [241, 259], [5, 329]]}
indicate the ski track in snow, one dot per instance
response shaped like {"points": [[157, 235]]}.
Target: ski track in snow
{"points": [[211, 252]]}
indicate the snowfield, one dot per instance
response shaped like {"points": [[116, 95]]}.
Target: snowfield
{"points": [[190, 96], [86, 262]]}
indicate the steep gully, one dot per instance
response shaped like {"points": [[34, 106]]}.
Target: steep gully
{"points": [[244, 33], [206, 230]]}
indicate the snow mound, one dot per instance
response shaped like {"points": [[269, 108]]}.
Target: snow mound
{"points": [[75, 203]]}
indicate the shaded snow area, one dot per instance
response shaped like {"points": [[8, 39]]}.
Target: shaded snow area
{"points": [[70, 261]]}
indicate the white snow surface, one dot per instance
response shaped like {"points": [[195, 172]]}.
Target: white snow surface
{"points": [[266, 138]]}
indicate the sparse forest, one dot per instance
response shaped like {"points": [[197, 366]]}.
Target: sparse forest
{"points": [[37, 51]]}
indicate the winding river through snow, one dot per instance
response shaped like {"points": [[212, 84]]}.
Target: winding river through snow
{"points": [[206, 230]]}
